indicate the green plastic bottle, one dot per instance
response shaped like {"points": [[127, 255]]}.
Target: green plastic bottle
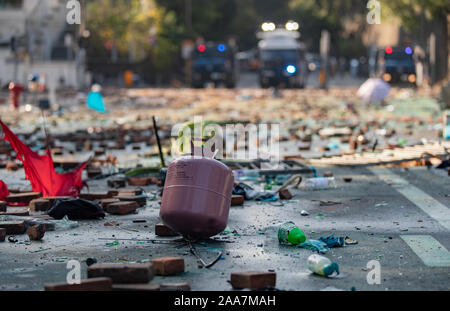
{"points": [[289, 233]]}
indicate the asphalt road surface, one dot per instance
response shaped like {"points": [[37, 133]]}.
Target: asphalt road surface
{"points": [[400, 219]]}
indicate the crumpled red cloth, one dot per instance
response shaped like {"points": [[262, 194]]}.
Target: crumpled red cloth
{"points": [[3, 191], [40, 171]]}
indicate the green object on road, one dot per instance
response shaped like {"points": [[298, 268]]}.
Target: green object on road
{"points": [[113, 243], [289, 233], [142, 171]]}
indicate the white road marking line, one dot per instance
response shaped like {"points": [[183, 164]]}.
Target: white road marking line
{"points": [[429, 250], [425, 202]]}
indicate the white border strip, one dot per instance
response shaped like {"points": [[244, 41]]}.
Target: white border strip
{"points": [[425, 202], [429, 250]]}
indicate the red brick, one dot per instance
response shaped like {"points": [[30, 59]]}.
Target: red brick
{"points": [[140, 181], [178, 287], [328, 174], [122, 208], [136, 287], [13, 227], [40, 205], [25, 197], [93, 172], [113, 193], [237, 200], [116, 182], [2, 206], [93, 284], [12, 166], [163, 230], [36, 233], [99, 152], [87, 145], [253, 280], [168, 265], [141, 200], [123, 273], [285, 194], [94, 196], [130, 191], [105, 202], [2, 234]]}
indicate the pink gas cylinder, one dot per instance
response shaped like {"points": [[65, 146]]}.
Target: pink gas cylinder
{"points": [[197, 196]]}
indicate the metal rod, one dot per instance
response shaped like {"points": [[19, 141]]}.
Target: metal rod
{"points": [[155, 128]]}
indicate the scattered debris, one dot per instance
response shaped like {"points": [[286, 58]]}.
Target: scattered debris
{"points": [[76, 209], [322, 266]]}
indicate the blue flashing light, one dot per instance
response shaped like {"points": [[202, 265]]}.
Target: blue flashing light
{"points": [[291, 69], [408, 50], [221, 47]]}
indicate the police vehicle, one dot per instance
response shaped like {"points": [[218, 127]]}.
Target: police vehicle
{"points": [[214, 62], [281, 57], [397, 65]]}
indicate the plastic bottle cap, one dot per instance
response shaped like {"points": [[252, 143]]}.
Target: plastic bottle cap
{"points": [[296, 236]]}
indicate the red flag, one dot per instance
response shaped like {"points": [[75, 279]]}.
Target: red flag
{"points": [[3, 191], [39, 170]]}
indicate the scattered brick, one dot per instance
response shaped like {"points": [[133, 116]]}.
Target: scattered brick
{"points": [[140, 200], [113, 193], [177, 287], [36, 232], [93, 284], [136, 287], [2, 234], [94, 196], [123, 273], [12, 166], [87, 145], [13, 227], [2, 206], [140, 181], [40, 205], [285, 194], [111, 224], [93, 172], [163, 230], [348, 179], [99, 152], [237, 200], [25, 197], [130, 191], [253, 280], [57, 151], [168, 266], [105, 202], [328, 174], [116, 182], [122, 208]]}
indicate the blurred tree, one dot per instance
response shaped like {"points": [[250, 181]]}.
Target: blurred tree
{"points": [[317, 15], [137, 27]]}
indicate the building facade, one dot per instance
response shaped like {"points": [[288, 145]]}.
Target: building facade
{"points": [[35, 39]]}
